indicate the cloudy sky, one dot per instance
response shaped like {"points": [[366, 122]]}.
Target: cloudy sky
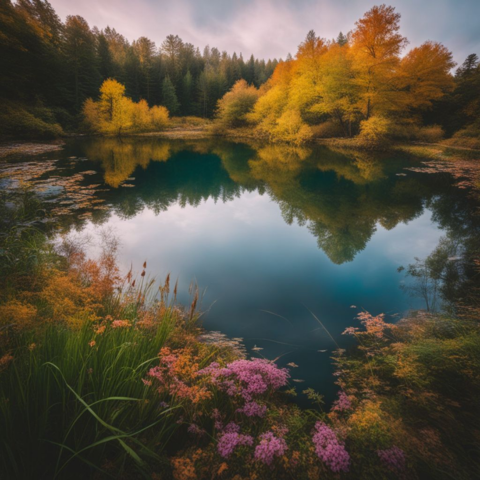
{"points": [[273, 28]]}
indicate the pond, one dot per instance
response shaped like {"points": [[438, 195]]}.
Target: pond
{"points": [[286, 244]]}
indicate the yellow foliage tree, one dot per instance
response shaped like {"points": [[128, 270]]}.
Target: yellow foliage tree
{"points": [[233, 108], [114, 113], [291, 128]]}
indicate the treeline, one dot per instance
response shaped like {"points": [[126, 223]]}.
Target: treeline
{"points": [[50, 68], [364, 84]]}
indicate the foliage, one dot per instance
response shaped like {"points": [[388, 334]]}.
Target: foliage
{"points": [[114, 113], [19, 120], [359, 78], [62, 63], [374, 132], [412, 403], [233, 108]]}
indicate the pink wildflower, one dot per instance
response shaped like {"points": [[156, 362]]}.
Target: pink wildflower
{"points": [[393, 458], [253, 409], [230, 441], [270, 447], [232, 427], [342, 403], [329, 449], [247, 377], [195, 429]]}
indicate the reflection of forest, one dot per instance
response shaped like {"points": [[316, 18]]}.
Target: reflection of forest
{"points": [[339, 196]]}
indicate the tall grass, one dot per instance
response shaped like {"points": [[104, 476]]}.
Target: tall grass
{"points": [[73, 398]]}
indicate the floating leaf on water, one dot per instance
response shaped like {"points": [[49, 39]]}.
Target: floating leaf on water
{"points": [[298, 380], [322, 351], [353, 306], [257, 349], [292, 364]]}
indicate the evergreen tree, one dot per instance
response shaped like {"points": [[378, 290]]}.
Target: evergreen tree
{"points": [[80, 51], [342, 39], [187, 94], [105, 61], [169, 96]]}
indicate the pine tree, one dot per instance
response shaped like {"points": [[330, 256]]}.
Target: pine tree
{"points": [[169, 96], [342, 39], [187, 93]]}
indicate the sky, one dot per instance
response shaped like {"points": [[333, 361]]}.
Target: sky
{"points": [[274, 28]]}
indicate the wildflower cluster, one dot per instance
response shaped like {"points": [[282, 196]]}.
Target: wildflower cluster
{"points": [[329, 449], [247, 378], [176, 374], [393, 458], [253, 409], [229, 441], [270, 447], [343, 403]]}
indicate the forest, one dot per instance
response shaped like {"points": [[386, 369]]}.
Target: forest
{"points": [[51, 68], [367, 84]]}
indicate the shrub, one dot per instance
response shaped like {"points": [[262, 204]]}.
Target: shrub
{"points": [[432, 134], [328, 129], [20, 120], [374, 132], [159, 117], [234, 107], [291, 128]]}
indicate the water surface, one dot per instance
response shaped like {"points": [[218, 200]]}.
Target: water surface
{"points": [[273, 235]]}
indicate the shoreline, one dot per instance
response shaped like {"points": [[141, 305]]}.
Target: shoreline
{"points": [[33, 147]]}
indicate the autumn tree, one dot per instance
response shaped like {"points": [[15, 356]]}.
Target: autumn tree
{"points": [[376, 47], [425, 75], [114, 113], [234, 106]]}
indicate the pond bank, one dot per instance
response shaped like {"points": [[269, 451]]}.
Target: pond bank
{"points": [[29, 148]]}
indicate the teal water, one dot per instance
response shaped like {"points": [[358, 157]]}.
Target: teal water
{"points": [[272, 235]]}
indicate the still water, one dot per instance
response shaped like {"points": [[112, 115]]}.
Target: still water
{"points": [[272, 235]]}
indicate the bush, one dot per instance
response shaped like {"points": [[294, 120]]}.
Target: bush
{"points": [[291, 128], [374, 132], [234, 107], [20, 120], [328, 129], [432, 134], [468, 137]]}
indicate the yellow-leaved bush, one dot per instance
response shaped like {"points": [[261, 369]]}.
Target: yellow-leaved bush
{"points": [[116, 114]]}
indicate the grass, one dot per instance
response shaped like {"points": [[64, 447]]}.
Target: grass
{"points": [[79, 403]]}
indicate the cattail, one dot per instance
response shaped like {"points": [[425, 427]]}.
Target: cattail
{"points": [[142, 274], [175, 290], [129, 275], [167, 284], [145, 264], [194, 304], [133, 283]]}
